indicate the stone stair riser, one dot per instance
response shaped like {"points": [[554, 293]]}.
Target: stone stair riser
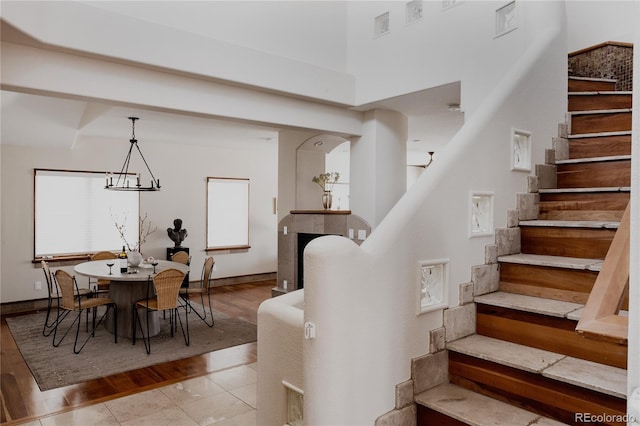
{"points": [[549, 333]]}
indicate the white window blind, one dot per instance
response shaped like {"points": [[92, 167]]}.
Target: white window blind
{"points": [[227, 213], [74, 214]]}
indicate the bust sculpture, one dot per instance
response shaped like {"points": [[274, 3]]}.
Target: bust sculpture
{"points": [[177, 234]]}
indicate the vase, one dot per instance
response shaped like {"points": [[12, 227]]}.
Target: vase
{"points": [[327, 199], [135, 258]]}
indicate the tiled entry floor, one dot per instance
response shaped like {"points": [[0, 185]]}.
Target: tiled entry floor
{"points": [[223, 398]]}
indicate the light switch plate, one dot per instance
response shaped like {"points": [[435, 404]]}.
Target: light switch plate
{"points": [[362, 234]]}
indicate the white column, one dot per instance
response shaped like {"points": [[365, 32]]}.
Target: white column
{"points": [[379, 165]]}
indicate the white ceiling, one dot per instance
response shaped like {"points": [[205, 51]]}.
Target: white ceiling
{"points": [[61, 121], [44, 121]]}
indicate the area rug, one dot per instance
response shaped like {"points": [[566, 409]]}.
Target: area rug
{"points": [[56, 367]]}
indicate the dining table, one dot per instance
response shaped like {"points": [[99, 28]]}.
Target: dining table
{"points": [[126, 288]]}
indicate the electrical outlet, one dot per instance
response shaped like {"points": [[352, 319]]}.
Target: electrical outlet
{"points": [[284, 284], [38, 285], [215, 268], [285, 230]]}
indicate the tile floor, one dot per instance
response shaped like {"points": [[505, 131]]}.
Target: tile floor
{"points": [[224, 398]]}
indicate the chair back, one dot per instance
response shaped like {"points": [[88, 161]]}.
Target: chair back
{"points": [[67, 286], [167, 285], [207, 268], [48, 278], [103, 255], [181, 257]]}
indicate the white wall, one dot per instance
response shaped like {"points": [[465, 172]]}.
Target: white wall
{"points": [[378, 165], [83, 28], [446, 45], [182, 169], [363, 300], [593, 22], [309, 31], [280, 334]]}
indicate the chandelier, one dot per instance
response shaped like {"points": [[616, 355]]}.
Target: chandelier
{"points": [[424, 166], [122, 181]]}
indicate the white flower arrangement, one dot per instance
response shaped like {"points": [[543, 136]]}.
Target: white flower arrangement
{"points": [[326, 180], [144, 230]]}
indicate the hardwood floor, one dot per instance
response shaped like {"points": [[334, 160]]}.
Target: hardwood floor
{"points": [[22, 400]]}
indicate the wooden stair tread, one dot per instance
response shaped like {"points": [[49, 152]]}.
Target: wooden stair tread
{"points": [[586, 374], [553, 261], [592, 224], [479, 410], [531, 304]]}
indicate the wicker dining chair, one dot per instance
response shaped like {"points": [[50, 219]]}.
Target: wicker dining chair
{"points": [[166, 285], [204, 290], [53, 298], [184, 258], [101, 285], [181, 257], [68, 287]]}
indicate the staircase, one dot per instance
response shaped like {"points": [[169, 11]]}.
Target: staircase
{"points": [[526, 364]]}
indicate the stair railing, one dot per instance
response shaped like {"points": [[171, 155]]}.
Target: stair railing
{"points": [[601, 318]]}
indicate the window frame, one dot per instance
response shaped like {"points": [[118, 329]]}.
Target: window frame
{"points": [[81, 255], [244, 243]]}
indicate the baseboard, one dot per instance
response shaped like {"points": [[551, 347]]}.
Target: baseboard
{"points": [[23, 306], [242, 279]]}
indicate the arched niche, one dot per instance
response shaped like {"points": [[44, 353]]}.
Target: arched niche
{"points": [[311, 160]]}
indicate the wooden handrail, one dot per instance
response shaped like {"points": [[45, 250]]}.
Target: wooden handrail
{"points": [[600, 318]]}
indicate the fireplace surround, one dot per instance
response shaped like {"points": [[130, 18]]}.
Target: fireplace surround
{"points": [[298, 228]]}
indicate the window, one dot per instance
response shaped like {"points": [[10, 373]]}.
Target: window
{"points": [[74, 214], [227, 213]]}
